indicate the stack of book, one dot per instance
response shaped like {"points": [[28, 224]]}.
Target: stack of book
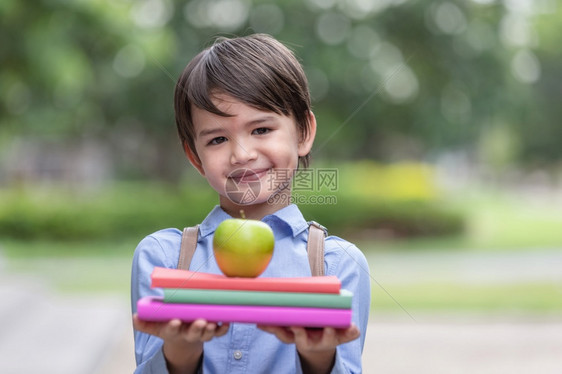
{"points": [[305, 301]]}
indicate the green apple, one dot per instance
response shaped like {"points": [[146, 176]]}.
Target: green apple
{"points": [[243, 247]]}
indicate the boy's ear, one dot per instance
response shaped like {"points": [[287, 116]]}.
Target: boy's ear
{"points": [[193, 159], [305, 144]]}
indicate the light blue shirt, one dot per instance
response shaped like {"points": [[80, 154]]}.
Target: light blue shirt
{"points": [[246, 349]]}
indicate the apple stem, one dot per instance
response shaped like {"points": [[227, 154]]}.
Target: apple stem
{"points": [[242, 214]]}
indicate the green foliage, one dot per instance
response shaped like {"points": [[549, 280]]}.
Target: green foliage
{"points": [[494, 220], [400, 181], [120, 211], [396, 81], [136, 209], [355, 216], [397, 200]]}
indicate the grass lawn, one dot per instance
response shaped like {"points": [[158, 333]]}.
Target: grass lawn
{"points": [[531, 298], [73, 267]]}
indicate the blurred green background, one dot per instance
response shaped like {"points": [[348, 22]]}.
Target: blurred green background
{"points": [[442, 119]]}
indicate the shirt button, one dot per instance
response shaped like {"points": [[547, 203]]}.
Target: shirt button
{"points": [[237, 355]]}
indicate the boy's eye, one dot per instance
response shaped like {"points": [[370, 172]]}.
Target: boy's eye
{"points": [[261, 131], [217, 140]]}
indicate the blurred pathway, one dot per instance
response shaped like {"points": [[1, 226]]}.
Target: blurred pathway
{"points": [[463, 344], [43, 331]]}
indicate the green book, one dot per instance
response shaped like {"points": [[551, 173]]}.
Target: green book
{"points": [[227, 297]]}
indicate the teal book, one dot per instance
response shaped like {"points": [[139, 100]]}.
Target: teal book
{"points": [[227, 297]]}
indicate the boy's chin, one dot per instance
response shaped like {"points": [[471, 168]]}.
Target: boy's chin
{"points": [[246, 198]]}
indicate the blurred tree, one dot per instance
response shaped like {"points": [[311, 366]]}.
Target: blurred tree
{"points": [[390, 79], [541, 127], [89, 69]]}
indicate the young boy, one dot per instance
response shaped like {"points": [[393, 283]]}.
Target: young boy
{"points": [[244, 118]]}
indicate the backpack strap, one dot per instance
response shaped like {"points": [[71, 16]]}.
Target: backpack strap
{"points": [[188, 246], [314, 247]]}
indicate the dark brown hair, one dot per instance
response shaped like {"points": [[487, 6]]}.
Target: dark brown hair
{"points": [[257, 70]]}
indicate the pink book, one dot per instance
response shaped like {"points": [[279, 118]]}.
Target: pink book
{"points": [[152, 308], [176, 278]]}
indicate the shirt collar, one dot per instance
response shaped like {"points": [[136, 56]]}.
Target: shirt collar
{"points": [[213, 219], [290, 216]]}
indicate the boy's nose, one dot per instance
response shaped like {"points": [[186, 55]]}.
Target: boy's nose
{"points": [[241, 153]]}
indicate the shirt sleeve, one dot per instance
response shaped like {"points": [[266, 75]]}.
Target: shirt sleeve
{"points": [[352, 269], [148, 348]]}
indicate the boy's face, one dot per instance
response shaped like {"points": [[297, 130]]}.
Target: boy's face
{"points": [[250, 156]]}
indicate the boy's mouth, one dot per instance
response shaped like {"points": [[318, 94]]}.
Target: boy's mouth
{"points": [[248, 175]]}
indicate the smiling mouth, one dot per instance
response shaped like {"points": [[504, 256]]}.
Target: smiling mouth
{"points": [[248, 175]]}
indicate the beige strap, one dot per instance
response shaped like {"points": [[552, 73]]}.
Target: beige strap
{"points": [[315, 248], [188, 246]]}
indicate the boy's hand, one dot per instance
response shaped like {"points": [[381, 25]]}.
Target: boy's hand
{"points": [[177, 331], [316, 347], [183, 342]]}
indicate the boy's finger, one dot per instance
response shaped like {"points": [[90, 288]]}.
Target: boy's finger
{"points": [[329, 337], [152, 328], [301, 338], [208, 332], [172, 327], [314, 334], [282, 333], [222, 329], [195, 330], [350, 334], [138, 324]]}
